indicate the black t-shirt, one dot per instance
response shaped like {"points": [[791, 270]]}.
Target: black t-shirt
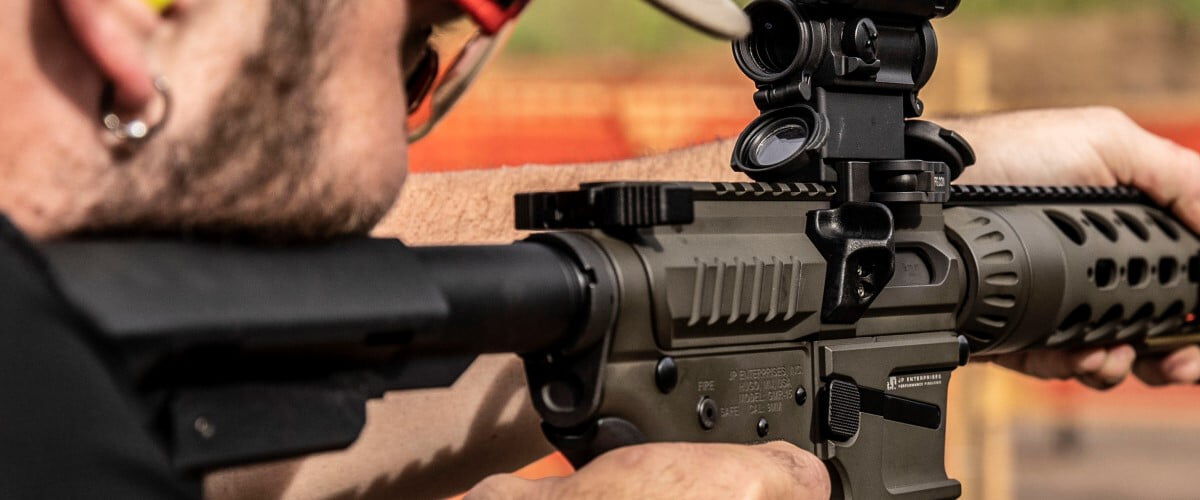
{"points": [[69, 428]]}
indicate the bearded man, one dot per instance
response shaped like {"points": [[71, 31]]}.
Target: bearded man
{"points": [[286, 121]]}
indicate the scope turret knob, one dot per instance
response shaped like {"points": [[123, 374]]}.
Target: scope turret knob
{"points": [[860, 40]]}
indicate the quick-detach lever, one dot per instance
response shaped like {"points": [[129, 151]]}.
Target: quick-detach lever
{"points": [[927, 141], [845, 402]]}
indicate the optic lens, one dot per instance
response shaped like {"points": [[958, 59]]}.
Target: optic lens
{"points": [[775, 39], [781, 144], [772, 49]]}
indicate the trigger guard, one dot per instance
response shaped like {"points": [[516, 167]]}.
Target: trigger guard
{"points": [[605, 435]]}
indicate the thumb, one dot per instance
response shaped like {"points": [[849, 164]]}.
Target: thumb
{"points": [[808, 471]]}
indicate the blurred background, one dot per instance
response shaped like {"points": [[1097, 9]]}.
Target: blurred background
{"points": [[591, 81]]}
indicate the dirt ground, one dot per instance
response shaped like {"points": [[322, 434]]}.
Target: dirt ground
{"points": [[1106, 461]]}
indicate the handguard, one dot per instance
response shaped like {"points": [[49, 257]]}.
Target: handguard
{"points": [[721, 333]]}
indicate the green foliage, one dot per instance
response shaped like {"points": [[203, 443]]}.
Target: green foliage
{"points": [[632, 26], [598, 26], [1041, 7]]}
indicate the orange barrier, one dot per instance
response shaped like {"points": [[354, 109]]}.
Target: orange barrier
{"points": [[517, 122]]}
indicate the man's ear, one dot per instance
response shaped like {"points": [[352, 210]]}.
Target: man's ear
{"points": [[115, 33]]}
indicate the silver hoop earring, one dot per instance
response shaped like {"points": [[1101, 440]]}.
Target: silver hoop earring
{"points": [[137, 130]]}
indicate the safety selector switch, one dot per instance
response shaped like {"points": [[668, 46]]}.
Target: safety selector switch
{"points": [[843, 409]]}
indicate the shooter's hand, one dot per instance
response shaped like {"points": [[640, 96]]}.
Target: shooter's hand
{"points": [[678, 470], [1089, 146]]}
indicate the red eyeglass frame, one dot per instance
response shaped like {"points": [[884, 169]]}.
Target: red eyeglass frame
{"points": [[491, 15]]}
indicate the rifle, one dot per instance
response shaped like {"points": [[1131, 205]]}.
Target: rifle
{"points": [[825, 304]]}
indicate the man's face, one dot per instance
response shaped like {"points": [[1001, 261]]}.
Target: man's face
{"points": [[294, 129]]}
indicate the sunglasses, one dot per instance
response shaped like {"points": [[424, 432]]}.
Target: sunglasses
{"points": [[469, 45]]}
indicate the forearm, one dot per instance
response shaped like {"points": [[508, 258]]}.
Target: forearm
{"points": [[476, 206], [420, 444]]}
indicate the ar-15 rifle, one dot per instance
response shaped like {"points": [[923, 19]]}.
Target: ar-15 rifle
{"points": [[825, 305]]}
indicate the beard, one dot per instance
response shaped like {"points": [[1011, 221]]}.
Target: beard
{"points": [[254, 172]]}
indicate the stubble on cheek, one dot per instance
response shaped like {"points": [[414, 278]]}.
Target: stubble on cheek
{"points": [[365, 105], [257, 169]]}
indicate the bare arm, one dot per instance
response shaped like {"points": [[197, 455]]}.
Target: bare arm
{"points": [[476, 206]]}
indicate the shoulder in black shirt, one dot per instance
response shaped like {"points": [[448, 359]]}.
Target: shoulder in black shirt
{"points": [[68, 426]]}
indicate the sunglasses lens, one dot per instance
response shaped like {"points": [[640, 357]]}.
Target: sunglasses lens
{"points": [[453, 82], [421, 81], [456, 53]]}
